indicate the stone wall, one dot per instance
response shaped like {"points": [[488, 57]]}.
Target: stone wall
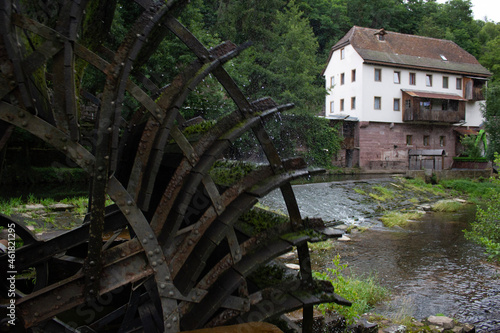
{"points": [[450, 174], [384, 145]]}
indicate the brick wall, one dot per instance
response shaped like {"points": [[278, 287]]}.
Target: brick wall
{"points": [[384, 145]]}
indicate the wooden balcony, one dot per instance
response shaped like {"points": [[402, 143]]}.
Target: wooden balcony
{"points": [[433, 108]]}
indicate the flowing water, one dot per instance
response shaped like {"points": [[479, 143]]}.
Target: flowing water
{"points": [[429, 266]]}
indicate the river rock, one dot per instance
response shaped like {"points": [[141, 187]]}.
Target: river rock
{"points": [[365, 326], [344, 238], [331, 232], [34, 207], [445, 322], [293, 266], [61, 207], [341, 227], [395, 329]]}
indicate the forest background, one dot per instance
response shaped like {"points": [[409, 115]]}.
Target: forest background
{"points": [[291, 41]]}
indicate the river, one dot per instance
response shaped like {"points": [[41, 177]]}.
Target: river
{"points": [[428, 265]]}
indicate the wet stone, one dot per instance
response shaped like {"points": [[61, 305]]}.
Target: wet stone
{"points": [[445, 322]]}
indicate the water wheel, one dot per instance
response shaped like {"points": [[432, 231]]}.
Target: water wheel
{"points": [[194, 256]]}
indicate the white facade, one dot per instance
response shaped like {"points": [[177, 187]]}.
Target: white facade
{"points": [[367, 99]]}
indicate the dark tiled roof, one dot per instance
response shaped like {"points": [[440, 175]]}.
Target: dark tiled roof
{"points": [[411, 51]]}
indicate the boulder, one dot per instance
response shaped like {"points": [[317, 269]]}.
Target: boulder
{"points": [[445, 322]]}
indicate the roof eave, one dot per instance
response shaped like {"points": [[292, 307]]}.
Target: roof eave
{"points": [[430, 69]]}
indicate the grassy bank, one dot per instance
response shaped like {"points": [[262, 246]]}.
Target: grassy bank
{"points": [[363, 292]]}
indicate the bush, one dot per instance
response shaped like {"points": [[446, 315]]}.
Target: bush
{"points": [[485, 230]]}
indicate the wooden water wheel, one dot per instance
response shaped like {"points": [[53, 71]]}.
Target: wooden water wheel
{"points": [[194, 257]]}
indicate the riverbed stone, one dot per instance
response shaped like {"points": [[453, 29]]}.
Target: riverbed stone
{"points": [[445, 322], [395, 329], [34, 207], [332, 232], [365, 326], [293, 266], [344, 238], [469, 328], [61, 207]]}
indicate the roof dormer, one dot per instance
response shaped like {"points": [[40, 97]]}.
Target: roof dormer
{"points": [[381, 34]]}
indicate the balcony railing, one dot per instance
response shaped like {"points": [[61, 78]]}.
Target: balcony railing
{"points": [[421, 110]]}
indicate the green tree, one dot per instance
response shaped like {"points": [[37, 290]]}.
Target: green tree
{"points": [[329, 21], [491, 114]]}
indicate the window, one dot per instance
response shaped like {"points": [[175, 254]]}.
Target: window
{"points": [[353, 103], [442, 141], [425, 104], [342, 105], [342, 79], [397, 77], [408, 104], [342, 53], [426, 140], [397, 104], [428, 80], [459, 84], [377, 103], [378, 74], [443, 57], [353, 75], [331, 107], [445, 82], [332, 81], [409, 140], [444, 104], [413, 79]]}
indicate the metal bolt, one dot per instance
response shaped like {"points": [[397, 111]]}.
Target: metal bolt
{"points": [[151, 236], [25, 123], [154, 264], [171, 293], [144, 241], [130, 203], [163, 286], [150, 253], [92, 263], [157, 250]]}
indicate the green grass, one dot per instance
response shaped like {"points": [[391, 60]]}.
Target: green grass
{"points": [[321, 246], [447, 206], [382, 193], [360, 191], [393, 218], [363, 292], [418, 185], [476, 191]]}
